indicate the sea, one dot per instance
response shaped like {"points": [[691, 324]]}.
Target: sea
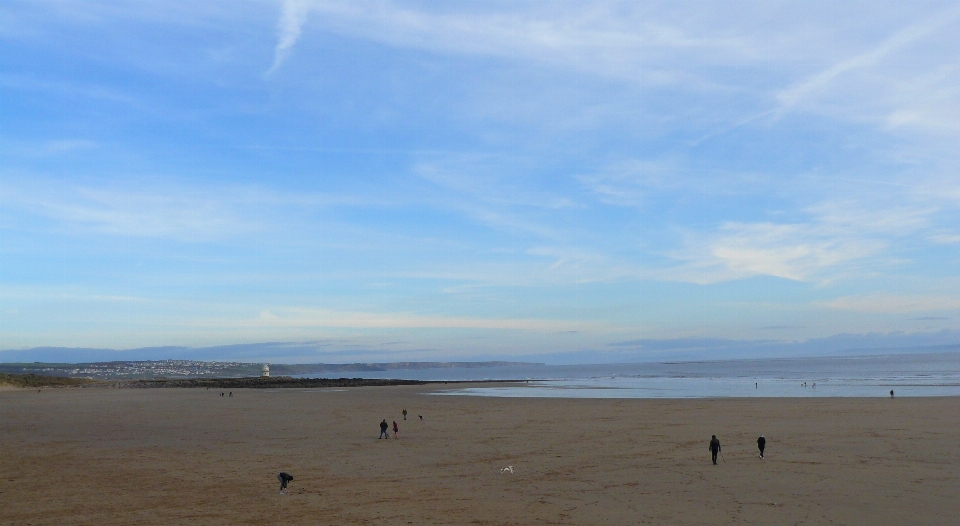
{"points": [[932, 374]]}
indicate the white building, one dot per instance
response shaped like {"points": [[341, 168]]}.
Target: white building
{"points": [[265, 370]]}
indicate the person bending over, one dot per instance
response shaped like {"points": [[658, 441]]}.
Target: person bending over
{"points": [[284, 478]]}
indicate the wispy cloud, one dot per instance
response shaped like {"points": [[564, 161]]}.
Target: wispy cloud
{"points": [[599, 38], [942, 238], [163, 207], [813, 85], [494, 192], [299, 317], [894, 303], [178, 213], [293, 15], [589, 38], [146, 214], [52, 147], [624, 183], [627, 182]]}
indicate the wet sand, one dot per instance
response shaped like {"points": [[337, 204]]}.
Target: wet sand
{"points": [[188, 456]]}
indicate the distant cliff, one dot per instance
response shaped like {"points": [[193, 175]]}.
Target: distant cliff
{"points": [[308, 368], [273, 382], [38, 380], [126, 370], [259, 383]]}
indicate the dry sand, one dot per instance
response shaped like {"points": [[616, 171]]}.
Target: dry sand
{"points": [[188, 456]]}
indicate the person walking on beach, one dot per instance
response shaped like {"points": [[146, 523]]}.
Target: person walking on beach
{"points": [[396, 430], [761, 443], [891, 393], [404, 414], [714, 448], [284, 478], [383, 429]]}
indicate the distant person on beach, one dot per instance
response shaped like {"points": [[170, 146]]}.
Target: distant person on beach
{"points": [[404, 414], [383, 429], [421, 417], [714, 448], [761, 443], [396, 430], [284, 478], [231, 394], [891, 393]]}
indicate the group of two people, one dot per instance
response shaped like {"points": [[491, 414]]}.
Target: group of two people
{"points": [[285, 478], [715, 446], [384, 426]]}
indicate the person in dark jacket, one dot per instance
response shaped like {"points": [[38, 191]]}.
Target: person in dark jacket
{"points": [[761, 443], [383, 428], [714, 448], [284, 478]]}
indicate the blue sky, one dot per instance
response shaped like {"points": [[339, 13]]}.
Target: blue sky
{"points": [[460, 180]]}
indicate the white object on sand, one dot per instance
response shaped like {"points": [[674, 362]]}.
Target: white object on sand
{"points": [[507, 469]]}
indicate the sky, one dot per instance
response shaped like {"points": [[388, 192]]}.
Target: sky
{"points": [[384, 181]]}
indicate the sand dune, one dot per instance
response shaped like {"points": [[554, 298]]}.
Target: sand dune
{"points": [[188, 456]]}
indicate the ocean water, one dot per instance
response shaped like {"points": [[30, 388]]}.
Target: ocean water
{"points": [[859, 376]]}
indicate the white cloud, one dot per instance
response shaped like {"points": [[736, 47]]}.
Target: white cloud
{"points": [[836, 238], [792, 251]]}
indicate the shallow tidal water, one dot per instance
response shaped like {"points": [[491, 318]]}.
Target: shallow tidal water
{"points": [[858, 376]]}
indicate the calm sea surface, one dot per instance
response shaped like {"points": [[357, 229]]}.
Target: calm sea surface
{"points": [[869, 376]]}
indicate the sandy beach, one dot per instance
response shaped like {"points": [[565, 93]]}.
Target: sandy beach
{"points": [[189, 456]]}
